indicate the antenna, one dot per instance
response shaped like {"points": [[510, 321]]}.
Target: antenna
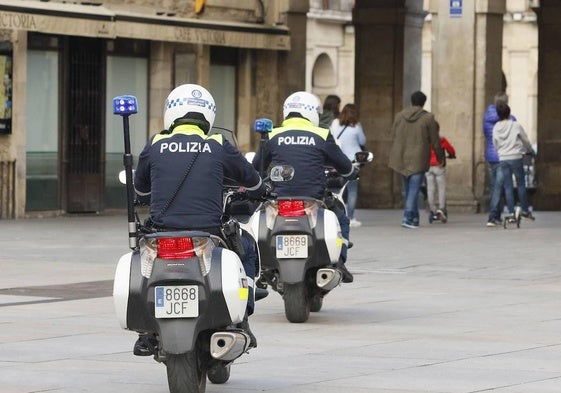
{"points": [[125, 106]]}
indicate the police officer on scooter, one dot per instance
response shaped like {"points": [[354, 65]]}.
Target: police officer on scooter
{"points": [[181, 172], [301, 143]]}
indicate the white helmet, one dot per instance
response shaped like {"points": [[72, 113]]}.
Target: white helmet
{"points": [[189, 98], [304, 103]]}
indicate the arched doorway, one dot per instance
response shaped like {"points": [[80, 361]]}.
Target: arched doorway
{"points": [[324, 77]]}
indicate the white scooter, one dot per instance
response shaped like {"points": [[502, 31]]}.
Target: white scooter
{"points": [[184, 292], [299, 240]]}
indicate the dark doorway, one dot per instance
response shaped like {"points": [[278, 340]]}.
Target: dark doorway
{"points": [[83, 141]]}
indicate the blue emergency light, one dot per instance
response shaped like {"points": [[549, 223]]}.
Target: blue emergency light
{"points": [[263, 125], [125, 105]]}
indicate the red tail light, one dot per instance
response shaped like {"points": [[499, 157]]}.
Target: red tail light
{"points": [[291, 208], [175, 248]]}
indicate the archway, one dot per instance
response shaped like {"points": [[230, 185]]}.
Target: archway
{"points": [[324, 77]]}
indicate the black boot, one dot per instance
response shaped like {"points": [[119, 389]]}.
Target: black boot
{"points": [[245, 326], [142, 346], [347, 275]]}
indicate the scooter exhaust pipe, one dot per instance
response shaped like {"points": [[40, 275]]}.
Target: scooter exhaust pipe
{"points": [[328, 278], [228, 345]]}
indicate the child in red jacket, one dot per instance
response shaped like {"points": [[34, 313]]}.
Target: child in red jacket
{"points": [[436, 177]]}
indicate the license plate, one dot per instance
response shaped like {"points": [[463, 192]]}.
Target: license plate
{"points": [[292, 246], [181, 301]]}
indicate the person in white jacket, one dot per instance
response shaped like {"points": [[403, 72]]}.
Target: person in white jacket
{"points": [[349, 135], [512, 144]]}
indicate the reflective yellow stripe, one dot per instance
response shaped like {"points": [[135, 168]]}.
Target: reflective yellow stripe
{"points": [[297, 124], [188, 129], [216, 137], [244, 293]]}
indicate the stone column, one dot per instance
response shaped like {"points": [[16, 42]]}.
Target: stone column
{"points": [[413, 48], [293, 62], [386, 33], [466, 73], [548, 170], [13, 195], [161, 83]]}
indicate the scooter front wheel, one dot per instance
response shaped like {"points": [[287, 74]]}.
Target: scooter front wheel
{"points": [[185, 375], [219, 373], [296, 302], [316, 302]]}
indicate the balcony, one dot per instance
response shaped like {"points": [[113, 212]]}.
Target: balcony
{"points": [[336, 11]]}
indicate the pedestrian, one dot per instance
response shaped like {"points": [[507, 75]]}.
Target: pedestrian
{"points": [[349, 135], [436, 182], [330, 111], [491, 156], [184, 186], [414, 131], [512, 144], [308, 148]]}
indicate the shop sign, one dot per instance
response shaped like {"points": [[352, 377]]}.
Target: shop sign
{"points": [[10, 20]]}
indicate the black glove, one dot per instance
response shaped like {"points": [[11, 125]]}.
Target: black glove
{"points": [[269, 191], [354, 174], [142, 200]]}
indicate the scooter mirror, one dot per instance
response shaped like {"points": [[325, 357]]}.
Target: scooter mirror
{"points": [[282, 173], [363, 157], [123, 176]]}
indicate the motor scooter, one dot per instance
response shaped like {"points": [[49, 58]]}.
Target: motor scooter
{"points": [[183, 292], [300, 241]]}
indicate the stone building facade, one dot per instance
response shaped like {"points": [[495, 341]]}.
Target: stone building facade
{"points": [[475, 48], [62, 62], [330, 54], [331, 62]]}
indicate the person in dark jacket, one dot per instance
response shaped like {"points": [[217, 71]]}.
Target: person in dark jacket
{"points": [[181, 172], [414, 131], [301, 143], [490, 118], [330, 110]]}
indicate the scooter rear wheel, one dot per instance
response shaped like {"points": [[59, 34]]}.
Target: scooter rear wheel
{"points": [[296, 302], [185, 374]]}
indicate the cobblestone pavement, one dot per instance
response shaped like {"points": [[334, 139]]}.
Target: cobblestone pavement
{"points": [[447, 308]]}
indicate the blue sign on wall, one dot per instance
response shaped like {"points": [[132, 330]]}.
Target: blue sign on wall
{"points": [[456, 8]]}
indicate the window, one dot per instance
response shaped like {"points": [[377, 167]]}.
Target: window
{"points": [[125, 76], [42, 124]]}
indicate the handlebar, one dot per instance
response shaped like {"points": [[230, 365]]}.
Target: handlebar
{"points": [[236, 193]]}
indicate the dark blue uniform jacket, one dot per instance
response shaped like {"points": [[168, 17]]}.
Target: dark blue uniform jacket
{"points": [[198, 204], [309, 149]]}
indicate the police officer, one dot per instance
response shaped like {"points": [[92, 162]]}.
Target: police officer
{"points": [[182, 169], [301, 143]]}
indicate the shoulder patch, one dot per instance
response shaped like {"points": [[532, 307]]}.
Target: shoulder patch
{"points": [[323, 133]]}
